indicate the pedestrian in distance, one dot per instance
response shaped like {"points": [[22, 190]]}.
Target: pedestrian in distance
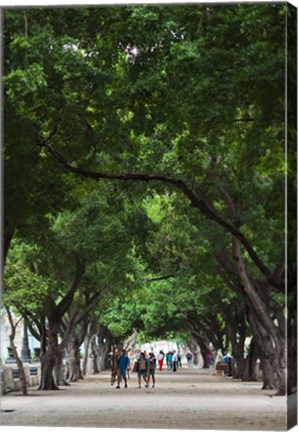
{"points": [[189, 357], [152, 367], [123, 364], [208, 358], [114, 365], [160, 360], [212, 362], [170, 360], [179, 360], [143, 369], [175, 361], [228, 360], [167, 359]]}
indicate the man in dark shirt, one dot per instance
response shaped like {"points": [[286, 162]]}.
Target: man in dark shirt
{"points": [[152, 367]]}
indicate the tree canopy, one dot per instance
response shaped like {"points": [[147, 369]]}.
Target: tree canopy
{"points": [[146, 145]]}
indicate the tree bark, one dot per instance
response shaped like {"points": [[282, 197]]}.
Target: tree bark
{"points": [[236, 331], [292, 347], [88, 338], [48, 360], [270, 336], [7, 238], [204, 348], [195, 349], [101, 349], [55, 314], [59, 369], [130, 342], [269, 379], [74, 372], [204, 351], [250, 363], [21, 370], [16, 354]]}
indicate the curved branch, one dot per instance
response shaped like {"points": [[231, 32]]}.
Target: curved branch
{"points": [[198, 201], [68, 298]]}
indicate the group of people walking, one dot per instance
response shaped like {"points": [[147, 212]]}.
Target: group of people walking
{"points": [[145, 366], [173, 360]]}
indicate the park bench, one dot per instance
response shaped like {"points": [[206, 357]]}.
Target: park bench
{"points": [[33, 371], [222, 367], [15, 373]]}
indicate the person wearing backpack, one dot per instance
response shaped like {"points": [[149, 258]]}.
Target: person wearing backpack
{"points": [[143, 369], [123, 363]]}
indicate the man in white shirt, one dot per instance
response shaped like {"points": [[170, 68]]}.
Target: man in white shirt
{"points": [[175, 361]]}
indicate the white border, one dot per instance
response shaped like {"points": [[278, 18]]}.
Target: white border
{"points": [[115, 2]]}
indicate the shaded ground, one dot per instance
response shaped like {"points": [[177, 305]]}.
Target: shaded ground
{"points": [[188, 399]]}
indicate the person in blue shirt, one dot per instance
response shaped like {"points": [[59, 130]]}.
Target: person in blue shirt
{"points": [[227, 358], [123, 363], [170, 360]]}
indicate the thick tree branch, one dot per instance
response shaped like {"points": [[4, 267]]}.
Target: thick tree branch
{"points": [[159, 278], [197, 200], [66, 301]]}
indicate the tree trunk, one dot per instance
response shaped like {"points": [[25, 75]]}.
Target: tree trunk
{"points": [[195, 349], [7, 238], [103, 357], [204, 348], [47, 381], [236, 332], [87, 337], [59, 370], [21, 369], [268, 326], [94, 355], [292, 348], [101, 350], [74, 359], [269, 379], [130, 342], [204, 351], [87, 353], [15, 352], [250, 363], [272, 356], [238, 366]]}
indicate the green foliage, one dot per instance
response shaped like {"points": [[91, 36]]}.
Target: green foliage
{"points": [[23, 287], [194, 92]]}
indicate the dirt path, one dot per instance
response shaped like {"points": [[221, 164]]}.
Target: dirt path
{"points": [[188, 399]]}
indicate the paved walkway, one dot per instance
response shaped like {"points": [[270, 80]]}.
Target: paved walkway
{"points": [[188, 399]]}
